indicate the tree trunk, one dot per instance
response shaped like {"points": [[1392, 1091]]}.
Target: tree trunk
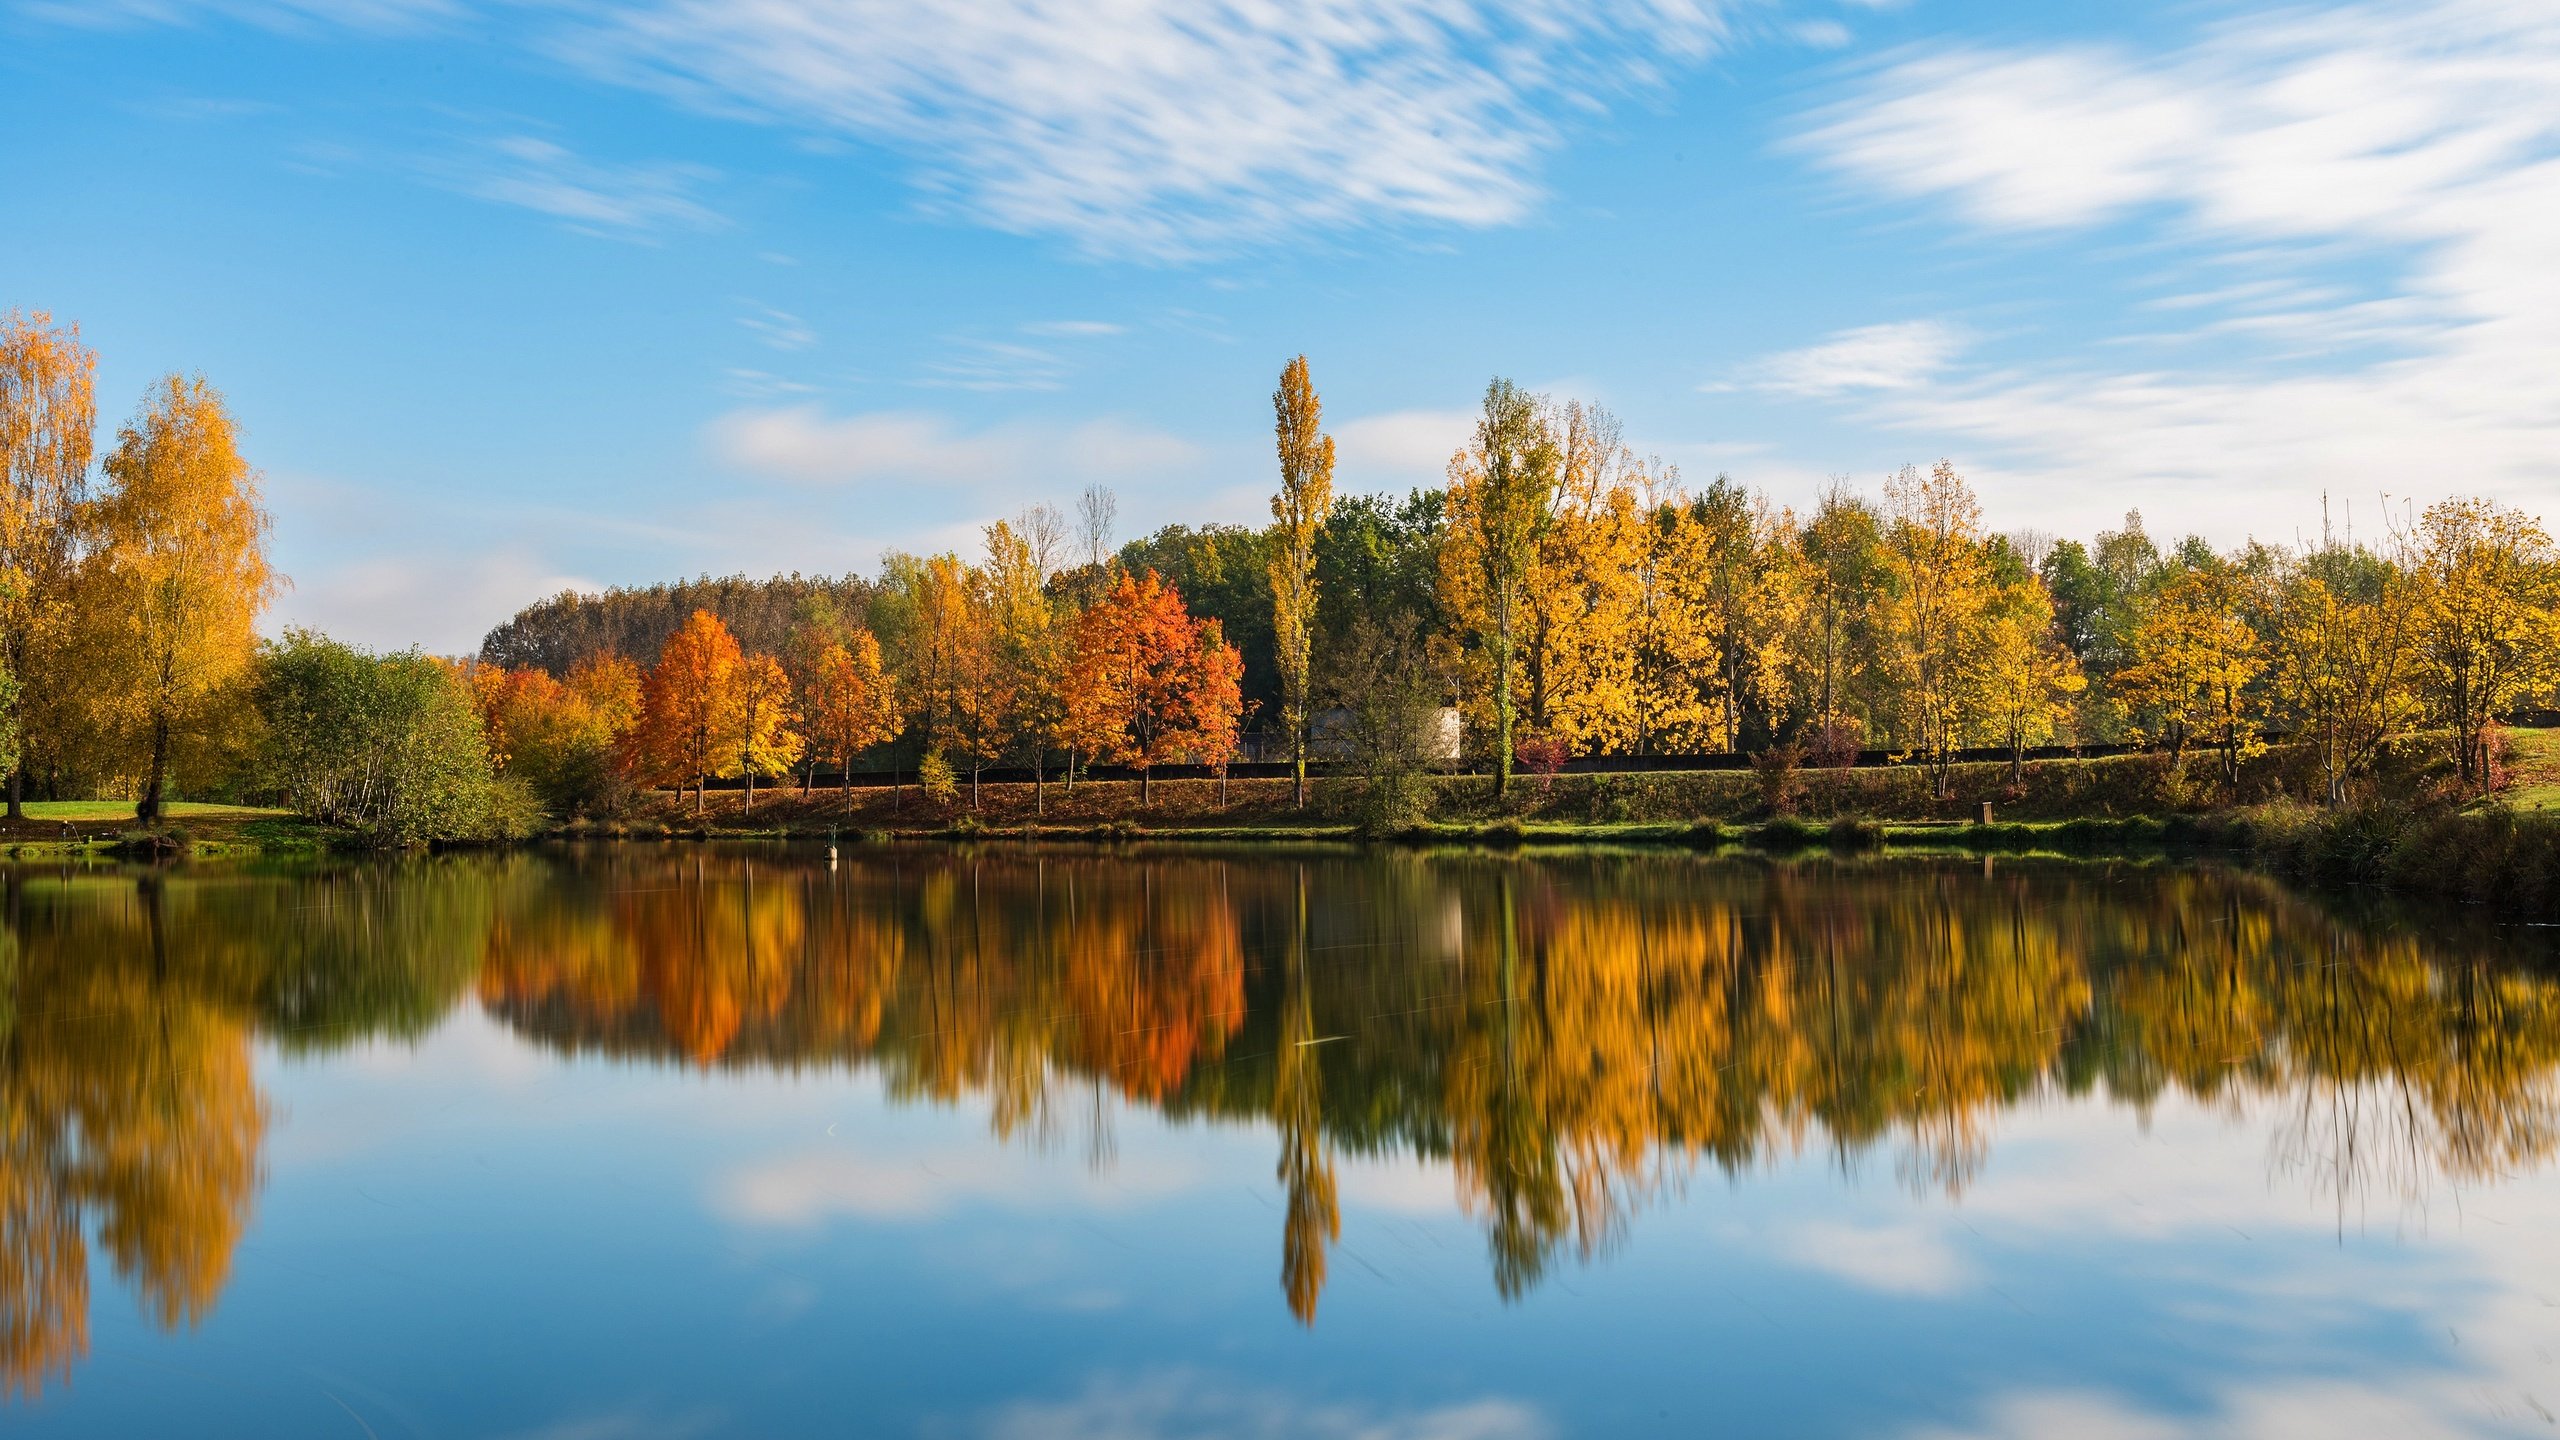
{"points": [[750, 770], [973, 784], [150, 807], [1144, 776], [18, 792], [1039, 783]]}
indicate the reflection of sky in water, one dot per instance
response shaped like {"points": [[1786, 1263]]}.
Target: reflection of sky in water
{"points": [[473, 1235], [472, 1239]]}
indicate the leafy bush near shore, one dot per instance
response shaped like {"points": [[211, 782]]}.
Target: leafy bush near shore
{"points": [[2496, 856], [389, 746]]}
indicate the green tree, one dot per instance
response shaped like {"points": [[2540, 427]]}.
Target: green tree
{"points": [[1298, 510]]}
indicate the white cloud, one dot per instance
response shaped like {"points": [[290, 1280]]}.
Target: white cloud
{"points": [[1406, 445], [1184, 1403], [1078, 329], [2413, 143], [550, 179], [803, 443], [441, 601], [1174, 127], [1898, 356]]}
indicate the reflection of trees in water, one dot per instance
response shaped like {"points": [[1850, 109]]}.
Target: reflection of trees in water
{"points": [[1573, 1037], [130, 1119]]}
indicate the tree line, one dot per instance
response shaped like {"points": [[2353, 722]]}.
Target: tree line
{"points": [[1568, 596], [1573, 598]]}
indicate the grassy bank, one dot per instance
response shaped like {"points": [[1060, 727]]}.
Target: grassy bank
{"points": [[62, 828], [2505, 852]]}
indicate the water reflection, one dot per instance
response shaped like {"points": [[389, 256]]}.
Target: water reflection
{"points": [[1574, 1039]]}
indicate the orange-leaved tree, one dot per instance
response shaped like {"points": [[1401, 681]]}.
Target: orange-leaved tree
{"points": [[852, 704], [757, 723], [683, 702], [1150, 685]]}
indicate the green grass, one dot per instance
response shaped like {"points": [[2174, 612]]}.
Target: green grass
{"points": [[95, 811], [2537, 770]]}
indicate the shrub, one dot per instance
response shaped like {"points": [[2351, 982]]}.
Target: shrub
{"points": [[941, 785], [390, 746], [1775, 769]]}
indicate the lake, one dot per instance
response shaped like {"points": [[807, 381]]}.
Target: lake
{"points": [[654, 1142]]}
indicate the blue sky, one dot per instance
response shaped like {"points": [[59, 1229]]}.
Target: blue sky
{"points": [[513, 295]]}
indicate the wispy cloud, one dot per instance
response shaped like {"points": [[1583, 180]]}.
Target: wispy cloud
{"points": [[804, 444], [2418, 140], [1899, 356], [779, 329], [550, 179], [1080, 329], [1175, 127]]}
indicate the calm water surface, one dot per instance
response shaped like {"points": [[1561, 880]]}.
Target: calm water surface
{"points": [[653, 1143]]}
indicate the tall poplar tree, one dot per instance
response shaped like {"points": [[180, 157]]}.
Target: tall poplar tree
{"points": [[1306, 493], [1501, 492], [48, 414], [182, 564]]}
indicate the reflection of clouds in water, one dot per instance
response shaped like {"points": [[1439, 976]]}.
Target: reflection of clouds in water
{"points": [[1893, 1259], [1165, 1404], [2310, 1411], [802, 1190], [2321, 1320]]}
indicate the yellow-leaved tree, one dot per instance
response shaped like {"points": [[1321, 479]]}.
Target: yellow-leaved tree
{"points": [[2343, 633], [1930, 623], [1027, 646], [48, 416], [760, 723], [2032, 679], [180, 563], [2489, 621], [2196, 659], [1298, 511]]}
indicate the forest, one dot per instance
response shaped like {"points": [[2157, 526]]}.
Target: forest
{"points": [[1567, 596]]}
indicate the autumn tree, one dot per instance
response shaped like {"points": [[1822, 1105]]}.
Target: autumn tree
{"points": [[1150, 685], [2196, 661], [1298, 510], [47, 419], [1931, 622], [1026, 647], [181, 568], [685, 702], [759, 723], [2031, 679], [945, 661], [851, 704], [2489, 635], [1844, 568], [1502, 491], [2342, 636]]}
